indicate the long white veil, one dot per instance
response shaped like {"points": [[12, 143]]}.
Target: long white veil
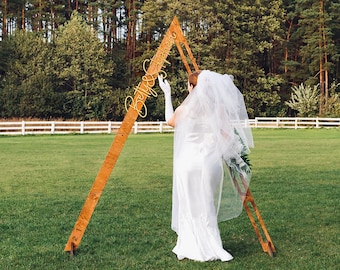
{"points": [[216, 108]]}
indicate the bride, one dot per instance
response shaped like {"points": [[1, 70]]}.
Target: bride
{"points": [[211, 135]]}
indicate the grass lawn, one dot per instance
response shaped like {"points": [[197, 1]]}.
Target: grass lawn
{"points": [[44, 181]]}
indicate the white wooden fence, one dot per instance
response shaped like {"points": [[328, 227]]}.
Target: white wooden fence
{"points": [[294, 122], [65, 127]]}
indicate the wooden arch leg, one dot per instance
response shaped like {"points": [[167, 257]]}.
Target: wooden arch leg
{"points": [[251, 207], [267, 244]]}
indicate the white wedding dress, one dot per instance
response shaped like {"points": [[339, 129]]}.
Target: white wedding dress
{"points": [[205, 141]]}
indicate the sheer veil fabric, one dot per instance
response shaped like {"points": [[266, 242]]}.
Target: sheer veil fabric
{"points": [[211, 135]]}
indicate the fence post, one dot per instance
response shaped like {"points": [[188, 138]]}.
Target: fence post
{"points": [[161, 127], [317, 122], [52, 127], [277, 122], [247, 123], [81, 127], [109, 127], [23, 127], [135, 128], [296, 122]]}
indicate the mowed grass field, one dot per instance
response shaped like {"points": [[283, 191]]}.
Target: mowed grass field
{"points": [[44, 181]]}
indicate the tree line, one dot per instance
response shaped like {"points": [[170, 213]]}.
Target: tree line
{"points": [[78, 59]]}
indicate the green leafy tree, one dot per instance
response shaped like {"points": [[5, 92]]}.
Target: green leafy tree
{"points": [[81, 69], [333, 103], [27, 85], [304, 100]]}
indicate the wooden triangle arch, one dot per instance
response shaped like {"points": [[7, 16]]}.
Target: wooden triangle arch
{"points": [[174, 35]]}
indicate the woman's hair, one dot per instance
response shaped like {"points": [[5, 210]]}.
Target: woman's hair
{"points": [[193, 78]]}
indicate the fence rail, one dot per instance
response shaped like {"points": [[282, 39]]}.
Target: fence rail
{"points": [[65, 127]]}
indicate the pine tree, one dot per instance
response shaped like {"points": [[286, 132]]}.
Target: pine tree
{"points": [[318, 45]]}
